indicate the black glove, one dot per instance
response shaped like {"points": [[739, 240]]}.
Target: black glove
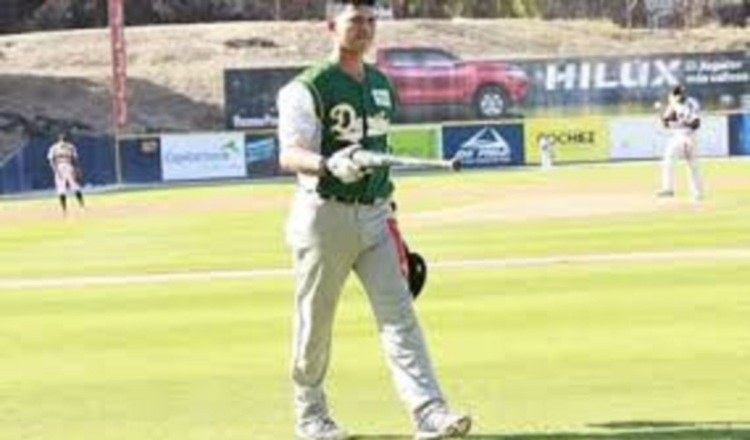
{"points": [[417, 273], [78, 175], [669, 117]]}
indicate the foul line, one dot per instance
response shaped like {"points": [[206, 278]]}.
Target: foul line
{"points": [[498, 263]]}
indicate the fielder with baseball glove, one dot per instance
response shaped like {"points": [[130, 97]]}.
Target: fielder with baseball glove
{"points": [[63, 160]]}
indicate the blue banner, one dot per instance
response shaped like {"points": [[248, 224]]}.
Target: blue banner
{"points": [[479, 146], [261, 154], [739, 132], [250, 96], [140, 160]]}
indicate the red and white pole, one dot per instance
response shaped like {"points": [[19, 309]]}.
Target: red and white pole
{"points": [[119, 65], [119, 77]]}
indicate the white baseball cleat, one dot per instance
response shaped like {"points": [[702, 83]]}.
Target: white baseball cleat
{"points": [[441, 423], [320, 428]]}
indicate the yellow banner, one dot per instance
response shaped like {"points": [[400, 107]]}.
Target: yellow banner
{"points": [[572, 139]]}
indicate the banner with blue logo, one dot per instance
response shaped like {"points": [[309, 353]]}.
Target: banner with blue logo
{"points": [[200, 156], [480, 146], [744, 137], [261, 154]]}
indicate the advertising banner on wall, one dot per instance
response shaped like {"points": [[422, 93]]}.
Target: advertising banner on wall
{"points": [[718, 79], [641, 137], [250, 96], [479, 146], [739, 133], [435, 84], [582, 139], [203, 156], [416, 141], [262, 154], [140, 159]]}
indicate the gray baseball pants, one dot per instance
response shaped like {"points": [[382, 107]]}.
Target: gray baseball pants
{"points": [[328, 240]]}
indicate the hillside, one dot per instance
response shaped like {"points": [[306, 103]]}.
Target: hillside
{"points": [[176, 71]]}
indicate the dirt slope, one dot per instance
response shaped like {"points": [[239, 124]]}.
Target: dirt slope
{"points": [[176, 71]]}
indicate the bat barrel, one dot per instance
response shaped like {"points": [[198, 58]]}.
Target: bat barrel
{"points": [[369, 159]]}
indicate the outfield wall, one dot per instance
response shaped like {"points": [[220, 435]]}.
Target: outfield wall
{"points": [[739, 134], [254, 154], [29, 170]]}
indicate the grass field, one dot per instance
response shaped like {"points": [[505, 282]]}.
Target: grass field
{"points": [[591, 310]]}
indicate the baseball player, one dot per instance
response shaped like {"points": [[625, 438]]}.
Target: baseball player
{"points": [[63, 159], [681, 116], [546, 150], [339, 224]]}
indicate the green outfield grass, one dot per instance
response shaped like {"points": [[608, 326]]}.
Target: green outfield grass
{"points": [[643, 350]]}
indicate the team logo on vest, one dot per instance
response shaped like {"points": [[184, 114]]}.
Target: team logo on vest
{"points": [[349, 127]]}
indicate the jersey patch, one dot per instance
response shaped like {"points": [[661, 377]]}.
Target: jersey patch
{"points": [[382, 98]]}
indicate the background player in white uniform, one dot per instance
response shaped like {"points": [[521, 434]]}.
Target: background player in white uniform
{"points": [[339, 224], [546, 150], [63, 159], [681, 116]]}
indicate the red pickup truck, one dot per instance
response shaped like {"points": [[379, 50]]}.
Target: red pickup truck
{"points": [[433, 76]]}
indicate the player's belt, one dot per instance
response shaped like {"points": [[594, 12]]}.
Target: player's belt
{"points": [[352, 200]]}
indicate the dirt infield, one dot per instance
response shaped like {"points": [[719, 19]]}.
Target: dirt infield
{"points": [[519, 207], [480, 205], [545, 198]]}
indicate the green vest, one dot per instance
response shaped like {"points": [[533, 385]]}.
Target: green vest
{"points": [[340, 103]]}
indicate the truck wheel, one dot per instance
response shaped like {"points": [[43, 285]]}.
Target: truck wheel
{"points": [[491, 102]]}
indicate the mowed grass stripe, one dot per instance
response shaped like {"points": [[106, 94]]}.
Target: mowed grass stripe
{"points": [[550, 349]]}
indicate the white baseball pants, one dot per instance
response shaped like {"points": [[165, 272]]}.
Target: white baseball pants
{"points": [[682, 144], [329, 239]]}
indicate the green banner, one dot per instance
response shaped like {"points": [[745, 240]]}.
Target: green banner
{"points": [[416, 141]]}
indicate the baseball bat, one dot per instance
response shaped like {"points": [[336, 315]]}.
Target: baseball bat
{"points": [[371, 159]]}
